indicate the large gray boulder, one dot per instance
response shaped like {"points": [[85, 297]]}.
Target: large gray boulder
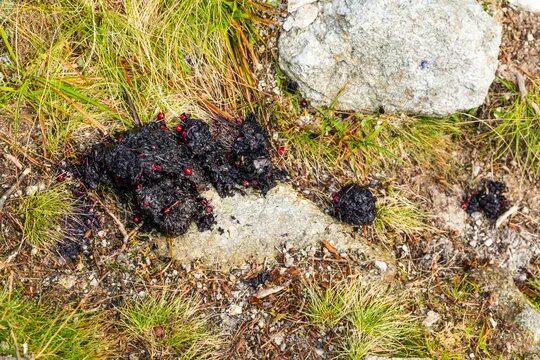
{"points": [[433, 57]]}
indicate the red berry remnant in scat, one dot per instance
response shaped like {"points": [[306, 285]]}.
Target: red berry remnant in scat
{"points": [[179, 128], [281, 150], [155, 167], [136, 219], [335, 197], [188, 171], [183, 117], [61, 176], [465, 204], [245, 183], [208, 209], [160, 116], [162, 126], [254, 182], [204, 202], [146, 203], [184, 135]]}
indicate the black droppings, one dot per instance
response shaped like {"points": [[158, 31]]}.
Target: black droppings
{"points": [[260, 279], [355, 205], [70, 249], [164, 170], [290, 85], [251, 157], [488, 199], [77, 230]]}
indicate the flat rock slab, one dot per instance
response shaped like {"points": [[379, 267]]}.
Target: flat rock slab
{"points": [[433, 57], [511, 305], [252, 227]]}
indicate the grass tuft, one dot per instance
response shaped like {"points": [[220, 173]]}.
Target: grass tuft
{"points": [[44, 213], [169, 326], [534, 286], [516, 129], [34, 331], [397, 215], [381, 325], [328, 306], [377, 320], [100, 66]]}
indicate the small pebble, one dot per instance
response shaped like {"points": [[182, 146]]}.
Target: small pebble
{"points": [[289, 260], [381, 265], [235, 310]]}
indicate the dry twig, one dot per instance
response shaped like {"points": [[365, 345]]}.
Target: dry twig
{"points": [[12, 189]]}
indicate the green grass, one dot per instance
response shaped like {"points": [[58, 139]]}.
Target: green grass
{"points": [[76, 63], [515, 131], [338, 143], [460, 288], [51, 333], [397, 215], [534, 285], [328, 306], [377, 320], [169, 326], [44, 214]]}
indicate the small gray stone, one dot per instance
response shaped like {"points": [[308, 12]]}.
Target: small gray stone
{"points": [[67, 281], [235, 310], [289, 260], [381, 265], [431, 319]]}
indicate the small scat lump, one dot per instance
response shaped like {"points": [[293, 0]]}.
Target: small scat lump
{"points": [[355, 205], [162, 170], [489, 199]]}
